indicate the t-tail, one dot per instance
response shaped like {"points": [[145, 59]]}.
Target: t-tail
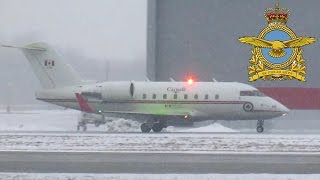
{"points": [[49, 67]]}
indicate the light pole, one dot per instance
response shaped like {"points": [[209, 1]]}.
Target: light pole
{"points": [[9, 97]]}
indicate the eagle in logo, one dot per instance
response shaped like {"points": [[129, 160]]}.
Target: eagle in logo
{"points": [[277, 46]]}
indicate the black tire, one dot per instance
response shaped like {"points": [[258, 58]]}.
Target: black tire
{"points": [[248, 107], [260, 129], [84, 128], [145, 128], [78, 128], [157, 127]]}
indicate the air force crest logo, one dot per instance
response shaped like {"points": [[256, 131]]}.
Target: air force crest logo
{"points": [[277, 52]]}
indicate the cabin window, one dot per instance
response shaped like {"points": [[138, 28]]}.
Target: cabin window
{"points": [[216, 96], [246, 93], [175, 96], [196, 96], [186, 96], [154, 96], [144, 96], [164, 96], [206, 96]]}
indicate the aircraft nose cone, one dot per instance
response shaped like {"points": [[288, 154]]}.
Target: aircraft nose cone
{"points": [[283, 109]]}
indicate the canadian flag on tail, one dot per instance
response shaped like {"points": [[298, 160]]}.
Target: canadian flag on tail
{"points": [[49, 63]]}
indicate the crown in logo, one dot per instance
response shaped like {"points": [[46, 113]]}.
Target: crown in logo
{"points": [[277, 15]]}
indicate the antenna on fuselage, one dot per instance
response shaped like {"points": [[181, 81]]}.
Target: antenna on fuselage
{"points": [[172, 80], [107, 70], [214, 80]]}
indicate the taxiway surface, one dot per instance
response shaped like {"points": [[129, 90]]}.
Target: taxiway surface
{"points": [[103, 162]]}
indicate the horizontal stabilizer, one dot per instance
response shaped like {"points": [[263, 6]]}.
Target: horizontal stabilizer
{"points": [[28, 48]]}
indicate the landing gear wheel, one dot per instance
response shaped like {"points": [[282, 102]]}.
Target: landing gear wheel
{"points": [[145, 128], [157, 127], [259, 129], [260, 123], [78, 128], [84, 128]]}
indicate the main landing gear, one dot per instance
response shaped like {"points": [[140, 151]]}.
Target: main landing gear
{"points": [[88, 118], [82, 125], [260, 123], [156, 126]]}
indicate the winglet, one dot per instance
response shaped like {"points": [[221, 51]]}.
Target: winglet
{"points": [[84, 106]]}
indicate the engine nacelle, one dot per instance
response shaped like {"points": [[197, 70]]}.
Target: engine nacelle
{"points": [[117, 91]]}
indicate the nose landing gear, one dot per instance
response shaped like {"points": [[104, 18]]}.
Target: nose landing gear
{"points": [[260, 123]]}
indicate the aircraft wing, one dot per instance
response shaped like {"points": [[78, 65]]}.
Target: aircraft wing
{"points": [[151, 114], [85, 107]]}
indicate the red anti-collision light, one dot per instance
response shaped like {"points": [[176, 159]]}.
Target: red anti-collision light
{"points": [[190, 81]]}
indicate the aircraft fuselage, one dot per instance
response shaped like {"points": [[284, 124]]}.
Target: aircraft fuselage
{"points": [[197, 101]]}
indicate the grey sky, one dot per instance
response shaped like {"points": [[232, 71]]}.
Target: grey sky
{"points": [[85, 32], [113, 29]]}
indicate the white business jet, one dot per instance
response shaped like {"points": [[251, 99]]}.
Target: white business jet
{"points": [[156, 103]]}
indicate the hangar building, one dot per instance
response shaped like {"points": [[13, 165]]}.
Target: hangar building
{"points": [[201, 38]]}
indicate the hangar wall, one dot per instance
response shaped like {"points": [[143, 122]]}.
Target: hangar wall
{"points": [[201, 37]]}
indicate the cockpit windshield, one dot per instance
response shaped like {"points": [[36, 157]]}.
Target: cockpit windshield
{"points": [[258, 93], [252, 93]]}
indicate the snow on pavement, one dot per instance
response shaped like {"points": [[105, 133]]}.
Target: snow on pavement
{"points": [[41, 120], [66, 120], [65, 176], [159, 142], [216, 127], [189, 141]]}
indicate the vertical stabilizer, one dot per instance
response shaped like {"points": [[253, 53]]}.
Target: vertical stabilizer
{"points": [[48, 66]]}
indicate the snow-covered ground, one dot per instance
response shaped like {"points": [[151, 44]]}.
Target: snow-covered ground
{"points": [[41, 120], [216, 127], [53, 176], [66, 120], [161, 142], [16, 134]]}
